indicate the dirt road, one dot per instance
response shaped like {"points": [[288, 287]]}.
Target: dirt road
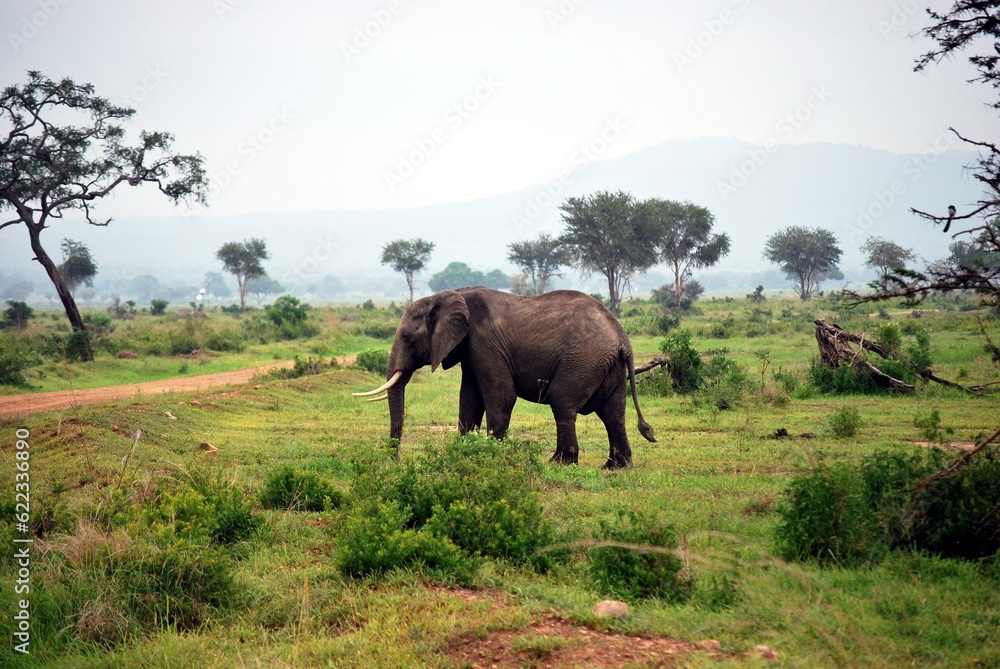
{"points": [[19, 405]]}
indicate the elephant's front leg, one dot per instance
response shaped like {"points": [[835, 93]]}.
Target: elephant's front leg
{"points": [[567, 446], [470, 405]]}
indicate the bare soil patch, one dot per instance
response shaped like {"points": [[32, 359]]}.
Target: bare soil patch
{"points": [[553, 641], [961, 446]]}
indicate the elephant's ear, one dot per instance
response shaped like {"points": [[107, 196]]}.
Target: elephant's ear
{"points": [[450, 324]]}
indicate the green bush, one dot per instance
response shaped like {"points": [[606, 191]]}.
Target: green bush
{"points": [[380, 330], [297, 490], [99, 323], [890, 338], [644, 569], [683, 361], [723, 380], [824, 515], [207, 509], [184, 340], [657, 383], [957, 515], [17, 314], [225, 339], [475, 493], [77, 343], [287, 310], [374, 360], [374, 539], [235, 519], [158, 307], [889, 480], [787, 381], [12, 366], [845, 422], [849, 379], [848, 515]]}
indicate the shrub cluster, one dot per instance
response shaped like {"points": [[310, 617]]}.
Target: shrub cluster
{"points": [[845, 514], [472, 498], [14, 359], [845, 422], [287, 488], [374, 360], [721, 380]]}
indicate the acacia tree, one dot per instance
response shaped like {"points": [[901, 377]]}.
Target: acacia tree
{"points": [[686, 241], [408, 256], [884, 256], [48, 170], [78, 266], [244, 261], [540, 258], [609, 233], [806, 256]]}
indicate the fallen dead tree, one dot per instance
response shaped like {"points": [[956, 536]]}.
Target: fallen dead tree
{"points": [[835, 349]]}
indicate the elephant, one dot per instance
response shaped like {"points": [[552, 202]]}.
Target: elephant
{"points": [[562, 348]]}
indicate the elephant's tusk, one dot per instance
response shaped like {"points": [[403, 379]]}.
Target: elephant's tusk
{"points": [[385, 386], [380, 398]]}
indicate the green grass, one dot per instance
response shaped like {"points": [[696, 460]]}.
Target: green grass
{"points": [[54, 371], [716, 476]]}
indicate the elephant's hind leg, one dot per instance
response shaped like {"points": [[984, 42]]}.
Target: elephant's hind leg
{"points": [[612, 414]]}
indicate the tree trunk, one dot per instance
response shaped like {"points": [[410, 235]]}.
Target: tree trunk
{"points": [[678, 288], [613, 297], [241, 283], [65, 295]]}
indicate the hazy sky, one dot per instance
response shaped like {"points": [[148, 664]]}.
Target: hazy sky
{"points": [[355, 105]]}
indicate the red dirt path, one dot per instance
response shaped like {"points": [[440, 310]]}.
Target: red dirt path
{"points": [[20, 405]]}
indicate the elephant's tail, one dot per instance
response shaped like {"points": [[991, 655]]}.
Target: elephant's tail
{"points": [[645, 429]]}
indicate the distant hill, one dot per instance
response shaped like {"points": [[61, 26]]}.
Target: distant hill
{"points": [[854, 191]]}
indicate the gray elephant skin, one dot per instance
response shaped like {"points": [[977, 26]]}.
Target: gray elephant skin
{"points": [[563, 348]]}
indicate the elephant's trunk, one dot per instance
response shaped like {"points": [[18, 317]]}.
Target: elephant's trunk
{"points": [[397, 392], [396, 408]]}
